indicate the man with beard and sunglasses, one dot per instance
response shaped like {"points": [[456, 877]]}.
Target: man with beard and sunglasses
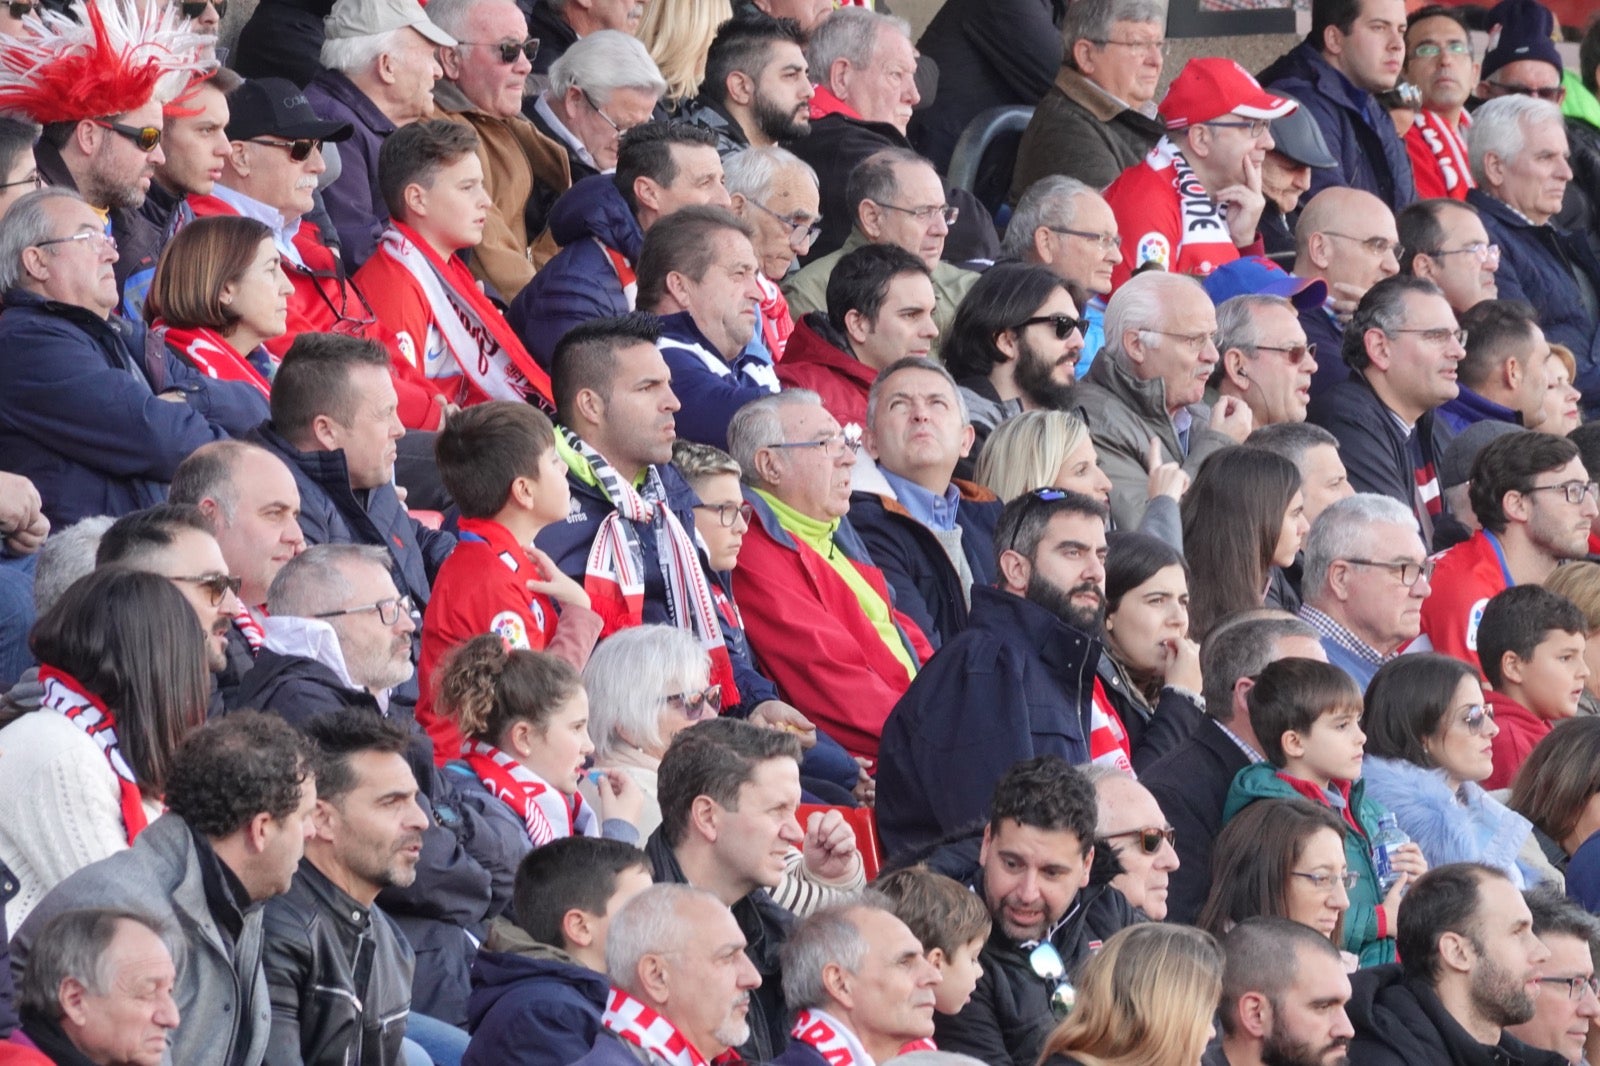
{"points": [[1471, 966], [1027, 656], [756, 92], [1283, 994]]}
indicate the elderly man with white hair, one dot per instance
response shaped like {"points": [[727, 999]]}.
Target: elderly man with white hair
{"points": [[605, 85], [380, 69], [1517, 148], [776, 194], [1142, 396]]}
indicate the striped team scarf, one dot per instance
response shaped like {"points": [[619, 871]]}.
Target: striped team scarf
{"points": [[546, 812], [1108, 740], [644, 1028], [66, 697], [836, 1044]]}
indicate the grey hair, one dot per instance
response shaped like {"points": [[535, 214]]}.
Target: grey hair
{"points": [[756, 425], [914, 362], [627, 680], [848, 33], [208, 473], [25, 225], [356, 55], [74, 944], [602, 63], [1343, 530], [1242, 645], [827, 937], [1501, 126], [1050, 201], [452, 16], [316, 580], [1137, 305], [649, 924], [1091, 20], [1291, 439], [65, 557], [1236, 320], [750, 172]]}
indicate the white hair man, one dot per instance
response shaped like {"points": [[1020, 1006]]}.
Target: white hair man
{"points": [[605, 85], [776, 193]]}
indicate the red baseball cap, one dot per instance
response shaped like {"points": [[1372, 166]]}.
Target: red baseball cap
{"points": [[1208, 88]]}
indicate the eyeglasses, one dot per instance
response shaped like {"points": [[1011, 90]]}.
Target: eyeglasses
{"points": [[217, 586], [1293, 356], [926, 215], [1555, 95], [193, 10], [1045, 962], [1430, 50], [144, 137], [97, 241], [727, 512], [1486, 253], [1440, 335], [1574, 491], [1163, 46], [35, 179], [1576, 986], [1478, 715], [1324, 882], [698, 704], [511, 50], [620, 130], [1379, 246], [300, 149], [1409, 572], [1151, 837], [388, 610], [1062, 324], [833, 447], [20, 11], [1256, 126], [343, 321], [802, 230], [1193, 341], [1106, 241]]}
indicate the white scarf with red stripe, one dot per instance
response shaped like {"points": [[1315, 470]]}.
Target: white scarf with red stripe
{"points": [[64, 695], [1108, 740], [546, 812], [642, 1027], [837, 1044]]}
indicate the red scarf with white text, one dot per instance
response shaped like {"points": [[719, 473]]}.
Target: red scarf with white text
{"points": [[833, 1041], [65, 696], [210, 353], [644, 1028], [546, 812]]}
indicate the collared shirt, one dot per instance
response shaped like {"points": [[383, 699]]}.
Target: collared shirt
{"points": [[1182, 422], [937, 512], [1249, 752], [1327, 627], [559, 128], [283, 230]]}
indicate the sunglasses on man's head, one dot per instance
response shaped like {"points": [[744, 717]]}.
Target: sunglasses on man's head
{"points": [[192, 10]]}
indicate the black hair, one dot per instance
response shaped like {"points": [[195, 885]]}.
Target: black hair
{"points": [[646, 152], [1405, 702], [1003, 297], [715, 758], [1509, 464], [743, 44], [1420, 228], [1048, 793], [1443, 900], [134, 537], [1025, 518], [1496, 331], [586, 356], [339, 735], [574, 873], [1134, 558], [1383, 308], [860, 280], [1290, 695], [1518, 620], [230, 770], [314, 379]]}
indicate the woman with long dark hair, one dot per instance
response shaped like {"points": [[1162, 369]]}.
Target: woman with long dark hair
{"points": [[122, 679], [1558, 788]]}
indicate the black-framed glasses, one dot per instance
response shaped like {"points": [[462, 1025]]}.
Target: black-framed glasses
{"points": [[802, 230], [1576, 986], [1106, 241], [1440, 335], [216, 586], [925, 215], [1161, 45], [727, 512], [698, 703], [388, 610], [193, 9], [145, 138], [1574, 491], [35, 179], [833, 447], [510, 50], [299, 149], [1477, 718], [1408, 572], [619, 129], [1151, 837], [1485, 252], [1293, 356], [1378, 246], [1324, 882], [1256, 126], [96, 240], [1554, 94], [1045, 962], [1195, 342], [1430, 50], [1063, 325]]}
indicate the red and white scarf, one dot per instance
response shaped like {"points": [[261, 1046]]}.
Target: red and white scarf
{"points": [[1108, 739], [65, 696], [547, 813], [484, 346], [1447, 147], [644, 1028], [210, 353], [614, 572], [832, 1040], [251, 630], [925, 1044]]}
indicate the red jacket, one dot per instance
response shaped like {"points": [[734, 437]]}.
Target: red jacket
{"points": [[1520, 730], [1465, 579], [811, 361], [812, 638]]}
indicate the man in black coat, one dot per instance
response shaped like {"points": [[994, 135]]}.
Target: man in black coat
{"points": [[1191, 781]]}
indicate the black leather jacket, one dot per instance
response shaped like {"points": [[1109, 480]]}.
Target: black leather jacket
{"points": [[339, 974]]}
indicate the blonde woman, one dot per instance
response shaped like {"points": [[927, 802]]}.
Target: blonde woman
{"points": [[1146, 1000], [1053, 450], [678, 34]]}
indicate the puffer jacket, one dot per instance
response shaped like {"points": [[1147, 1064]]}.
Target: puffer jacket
{"points": [[532, 1004], [339, 975]]}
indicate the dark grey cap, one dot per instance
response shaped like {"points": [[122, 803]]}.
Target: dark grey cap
{"points": [[1455, 467], [1296, 135]]}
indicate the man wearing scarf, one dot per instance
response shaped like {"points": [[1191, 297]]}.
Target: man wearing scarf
{"points": [[680, 981]]}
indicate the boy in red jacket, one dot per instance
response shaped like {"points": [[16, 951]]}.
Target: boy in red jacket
{"points": [[499, 463], [1530, 643]]}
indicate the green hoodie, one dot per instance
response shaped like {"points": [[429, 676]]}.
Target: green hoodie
{"points": [[1261, 781], [1580, 103]]}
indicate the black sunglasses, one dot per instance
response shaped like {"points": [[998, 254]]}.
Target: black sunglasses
{"points": [[1063, 324], [145, 137], [193, 10], [20, 11], [510, 50], [300, 148]]}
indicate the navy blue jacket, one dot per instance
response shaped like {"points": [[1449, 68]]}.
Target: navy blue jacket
{"points": [[79, 413], [611, 1050], [1327, 333], [1017, 683], [1469, 407], [709, 396], [1371, 154], [355, 203], [1375, 450], [579, 284], [1537, 264], [926, 586], [799, 1053], [527, 1010]]}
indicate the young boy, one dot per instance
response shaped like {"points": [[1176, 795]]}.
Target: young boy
{"points": [[1530, 645], [951, 922], [499, 463], [539, 985], [1307, 716], [457, 345]]}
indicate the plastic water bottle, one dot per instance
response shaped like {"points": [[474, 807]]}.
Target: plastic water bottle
{"points": [[1384, 842]]}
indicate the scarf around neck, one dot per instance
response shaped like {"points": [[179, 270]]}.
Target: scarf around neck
{"points": [[837, 1044], [546, 812], [211, 354], [65, 696], [642, 1027]]}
